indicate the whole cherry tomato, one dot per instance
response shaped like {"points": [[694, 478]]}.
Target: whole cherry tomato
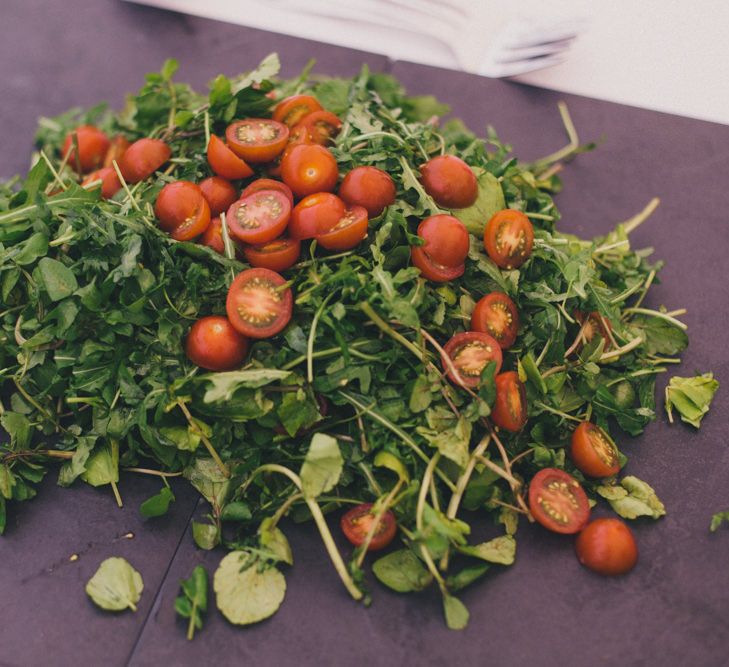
{"points": [[369, 187], [607, 546], [219, 193], [446, 240], [143, 158], [449, 181], [117, 148], [110, 184], [215, 345], [309, 168], [92, 147]]}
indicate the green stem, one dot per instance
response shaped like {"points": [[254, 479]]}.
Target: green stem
{"points": [[191, 624], [656, 313], [386, 328], [205, 439], [312, 336], [633, 223]]}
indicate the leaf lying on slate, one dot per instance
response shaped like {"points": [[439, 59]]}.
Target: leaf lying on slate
{"points": [[116, 585]]}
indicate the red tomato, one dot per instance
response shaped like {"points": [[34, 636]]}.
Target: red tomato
{"points": [[350, 231], [143, 158], [446, 240], [508, 238], [182, 210], [593, 324], [496, 314], [369, 187], [110, 184], [117, 148], [470, 352], [510, 408], [257, 139], [322, 126], [277, 255], [298, 135], [215, 345], [260, 217], [357, 523], [432, 271], [449, 181], [213, 236], [316, 215], [291, 110], [268, 184], [258, 305], [92, 147], [607, 546], [219, 193], [558, 502], [309, 168], [224, 162], [593, 451]]}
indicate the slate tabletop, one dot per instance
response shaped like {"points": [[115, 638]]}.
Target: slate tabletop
{"points": [[546, 609]]}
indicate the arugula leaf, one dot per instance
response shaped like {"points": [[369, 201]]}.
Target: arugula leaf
{"points": [[116, 585], [193, 603], [322, 466], [500, 550], [158, 504], [632, 498], [691, 397], [402, 571], [717, 519]]}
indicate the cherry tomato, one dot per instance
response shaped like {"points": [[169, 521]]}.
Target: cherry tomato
{"points": [[224, 162], [446, 240], [268, 184], [322, 126], [432, 271], [558, 502], [607, 546], [117, 148], [215, 345], [508, 238], [258, 305], [110, 184], [291, 110], [348, 232], [449, 181], [369, 187], [92, 147], [316, 215], [510, 408], [298, 135], [213, 238], [219, 193], [357, 523], [496, 314], [260, 217], [309, 168], [257, 139], [470, 352], [143, 158], [593, 323], [593, 451], [182, 210], [277, 255]]}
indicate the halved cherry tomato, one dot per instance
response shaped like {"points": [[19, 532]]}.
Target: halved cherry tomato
{"points": [[309, 168], [607, 546], [496, 314], [117, 148], [219, 193], [357, 523], [110, 184], [432, 271], [268, 184], [594, 451], [508, 238], [291, 110], [224, 162], [258, 304], [369, 187], [446, 240], [322, 126], [593, 323], [92, 147], [316, 215], [510, 408], [277, 255], [215, 345], [348, 232], [213, 238], [257, 139], [143, 158], [182, 210], [470, 352], [260, 217], [558, 502], [449, 181]]}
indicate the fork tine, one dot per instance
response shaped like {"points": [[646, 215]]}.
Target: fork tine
{"points": [[505, 70], [513, 55]]}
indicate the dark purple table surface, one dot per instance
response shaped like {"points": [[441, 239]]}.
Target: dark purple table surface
{"points": [[546, 609]]}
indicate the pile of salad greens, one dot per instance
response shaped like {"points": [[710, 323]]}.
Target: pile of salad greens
{"points": [[349, 403]]}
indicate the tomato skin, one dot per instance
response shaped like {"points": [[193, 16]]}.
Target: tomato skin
{"points": [[432, 271], [469, 352], [446, 240], [182, 210], [593, 451], [308, 169], [224, 162], [143, 158], [257, 140], [322, 126], [260, 217], [593, 324], [449, 181], [291, 110], [92, 147], [496, 314], [110, 183], [277, 255], [558, 502], [316, 215], [256, 305], [356, 524], [369, 187], [510, 408], [215, 345], [349, 232], [219, 193], [268, 184], [117, 147], [508, 238], [607, 546], [213, 238]]}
